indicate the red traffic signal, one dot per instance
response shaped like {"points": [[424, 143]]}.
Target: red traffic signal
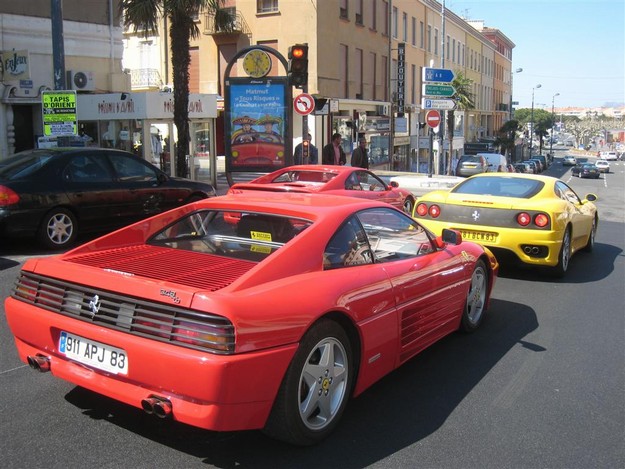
{"points": [[298, 65]]}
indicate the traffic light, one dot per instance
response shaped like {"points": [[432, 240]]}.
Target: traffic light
{"points": [[298, 65], [305, 151]]}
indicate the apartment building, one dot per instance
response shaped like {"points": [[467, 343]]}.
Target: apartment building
{"points": [[92, 46], [353, 66]]}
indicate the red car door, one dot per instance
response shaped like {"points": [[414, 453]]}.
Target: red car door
{"points": [[429, 284]]}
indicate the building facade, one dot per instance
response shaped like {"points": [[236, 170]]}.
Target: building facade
{"points": [[353, 69]]}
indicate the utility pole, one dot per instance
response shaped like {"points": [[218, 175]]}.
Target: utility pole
{"points": [[441, 129], [58, 48]]}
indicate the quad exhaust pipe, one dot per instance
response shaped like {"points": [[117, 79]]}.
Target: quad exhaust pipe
{"points": [[40, 363], [531, 250], [156, 405]]}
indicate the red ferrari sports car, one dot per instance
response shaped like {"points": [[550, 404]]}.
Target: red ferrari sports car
{"points": [[271, 323], [332, 180]]}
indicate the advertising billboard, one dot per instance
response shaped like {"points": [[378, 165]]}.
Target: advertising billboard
{"points": [[257, 124]]}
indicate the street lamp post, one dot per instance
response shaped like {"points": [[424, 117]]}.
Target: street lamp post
{"points": [[553, 121], [532, 120], [518, 70]]}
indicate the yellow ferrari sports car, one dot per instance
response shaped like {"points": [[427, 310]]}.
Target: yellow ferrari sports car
{"points": [[538, 218]]}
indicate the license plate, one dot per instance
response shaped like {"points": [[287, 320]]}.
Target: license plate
{"points": [[479, 236], [95, 354]]}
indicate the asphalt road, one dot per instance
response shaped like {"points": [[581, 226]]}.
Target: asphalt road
{"points": [[540, 385]]}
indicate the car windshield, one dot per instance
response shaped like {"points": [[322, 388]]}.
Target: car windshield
{"points": [[521, 188], [23, 164], [304, 176], [249, 235]]}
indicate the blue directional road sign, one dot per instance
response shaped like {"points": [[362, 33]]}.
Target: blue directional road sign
{"points": [[440, 75]]}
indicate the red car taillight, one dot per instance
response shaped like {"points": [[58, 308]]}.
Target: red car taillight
{"points": [[523, 219], [541, 220], [422, 210], [434, 211], [8, 197]]}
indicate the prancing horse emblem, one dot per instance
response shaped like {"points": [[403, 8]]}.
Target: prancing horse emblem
{"points": [[94, 305], [475, 215]]}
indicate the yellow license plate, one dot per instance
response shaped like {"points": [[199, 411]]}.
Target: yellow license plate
{"points": [[479, 236]]}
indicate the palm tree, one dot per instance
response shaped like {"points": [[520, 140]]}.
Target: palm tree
{"points": [[464, 102], [506, 136], [144, 16]]}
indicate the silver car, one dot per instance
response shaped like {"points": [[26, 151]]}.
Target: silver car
{"points": [[569, 160], [470, 165]]}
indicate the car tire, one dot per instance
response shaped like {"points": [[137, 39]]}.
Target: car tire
{"points": [[564, 257], [475, 305], [313, 395], [58, 229], [590, 245], [408, 206]]}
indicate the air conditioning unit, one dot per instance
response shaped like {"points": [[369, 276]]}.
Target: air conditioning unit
{"points": [[383, 110], [80, 80]]}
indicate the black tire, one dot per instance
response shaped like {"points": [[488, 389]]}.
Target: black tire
{"points": [[564, 257], [58, 229], [408, 205], [475, 305], [313, 396], [590, 245]]}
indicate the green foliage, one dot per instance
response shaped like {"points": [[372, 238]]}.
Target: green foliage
{"points": [[144, 16]]}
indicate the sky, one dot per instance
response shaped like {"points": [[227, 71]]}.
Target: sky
{"points": [[572, 47]]}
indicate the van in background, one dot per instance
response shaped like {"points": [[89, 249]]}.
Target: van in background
{"points": [[496, 163]]}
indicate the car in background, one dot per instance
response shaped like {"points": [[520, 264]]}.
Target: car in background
{"points": [[603, 166], [609, 155], [331, 180], [543, 159], [569, 160], [468, 165], [58, 193], [272, 322], [586, 170], [539, 165], [538, 219]]}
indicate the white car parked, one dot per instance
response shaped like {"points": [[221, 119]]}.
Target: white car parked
{"points": [[603, 165], [609, 155]]}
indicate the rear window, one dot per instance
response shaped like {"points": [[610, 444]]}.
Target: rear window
{"points": [[471, 159], [305, 176], [248, 235], [23, 164], [500, 186]]}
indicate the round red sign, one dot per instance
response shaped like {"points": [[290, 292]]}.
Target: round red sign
{"points": [[433, 118]]}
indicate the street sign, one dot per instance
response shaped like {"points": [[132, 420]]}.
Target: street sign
{"points": [[59, 113], [304, 104], [438, 90], [433, 118], [443, 104], [440, 75]]}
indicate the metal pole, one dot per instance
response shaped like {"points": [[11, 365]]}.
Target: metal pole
{"points": [[391, 127], [58, 48], [553, 121], [441, 130], [531, 132]]}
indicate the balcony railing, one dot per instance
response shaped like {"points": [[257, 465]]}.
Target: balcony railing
{"points": [[225, 21], [145, 78]]}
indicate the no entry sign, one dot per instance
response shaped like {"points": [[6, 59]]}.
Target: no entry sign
{"points": [[433, 118]]}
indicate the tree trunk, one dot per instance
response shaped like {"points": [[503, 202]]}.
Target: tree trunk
{"points": [[180, 58]]}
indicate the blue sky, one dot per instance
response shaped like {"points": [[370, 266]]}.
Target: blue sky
{"points": [[573, 47]]}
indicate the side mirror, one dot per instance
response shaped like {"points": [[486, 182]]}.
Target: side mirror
{"points": [[161, 178], [451, 236], [591, 197], [394, 184]]}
